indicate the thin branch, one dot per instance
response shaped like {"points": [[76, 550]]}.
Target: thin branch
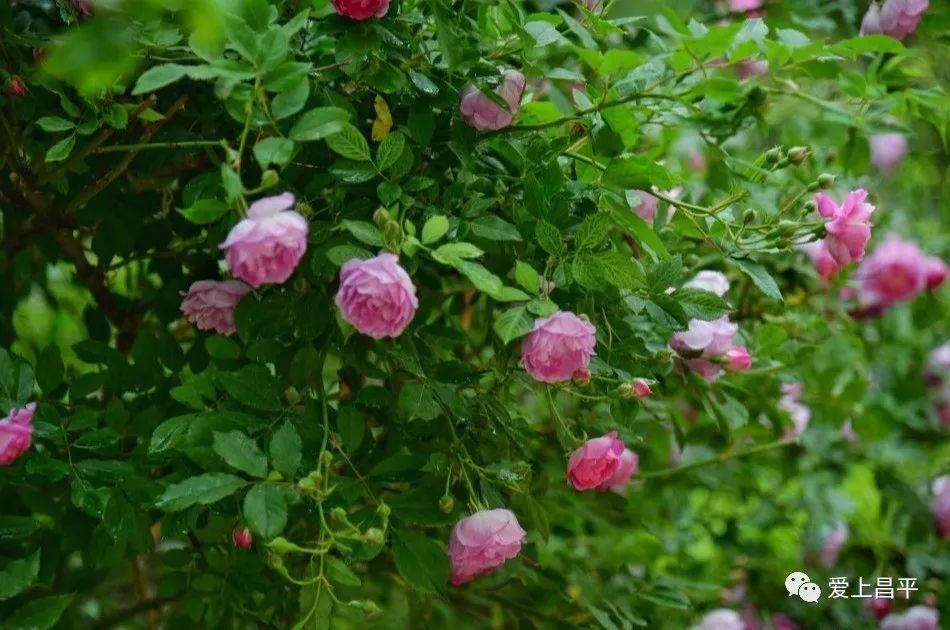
{"points": [[717, 459]]}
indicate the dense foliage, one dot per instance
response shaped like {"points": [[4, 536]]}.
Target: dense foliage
{"points": [[289, 290]]}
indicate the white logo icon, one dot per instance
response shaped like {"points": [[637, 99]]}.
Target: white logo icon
{"points": [[798, 583]]}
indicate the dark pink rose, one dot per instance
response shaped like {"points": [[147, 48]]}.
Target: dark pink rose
{"points": [[361, 9], [738, 359], [895, 18], [242, 538], [377, 296], [267, 246], [16, 434], [481, 112], [826, 266], [895, 271], [748, 68], [209, 304], [15, 87], [936, 272], [595, 462], [629, 461], [640, 388], [83, 8], [482, 542], [848, 226], [558, 346]]}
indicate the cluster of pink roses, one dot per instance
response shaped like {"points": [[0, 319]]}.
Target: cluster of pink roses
{"points": [[264, 248], [16, 434], [895, 18]]}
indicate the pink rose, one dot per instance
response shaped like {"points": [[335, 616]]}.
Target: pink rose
{"points": [[483, 542], [361, 9], [738, 359], [941, 506], [640, 388], [16, 434], [721, 619], [831, 545], [936, 271], [896, 18], [878, 607], [825, 265], [711, 339], [646, 209], [210, 305], [629, 461], [479, 111], [242, 538], [377, 296], [748, 68], [887, 151], [741, 6], [558, 346], [798, 412], [266, 247], [937, 370], [914, 618], [894, 272], [596, 463], [848, 226], [712, 281]]}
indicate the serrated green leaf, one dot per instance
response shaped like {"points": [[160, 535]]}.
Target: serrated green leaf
{"points": [[204, 211], [527, 277], [158, 77], [389, 150], [420, 561], [61, 150], [18, 575], [549, 238], [365, 232], [277, 151], [319, 123], [350, 143], [435, 228], [39, 614], [202, 489], [453, 254], [592, 232], [513, 323], [265, 510], [240, 452], [286, 449], [54, 124], [760, 277]]}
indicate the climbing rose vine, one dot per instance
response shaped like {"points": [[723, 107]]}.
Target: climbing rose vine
{"points": [[434, 313]]}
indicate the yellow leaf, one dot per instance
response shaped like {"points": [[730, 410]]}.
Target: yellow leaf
{"points": [[383, 122]]}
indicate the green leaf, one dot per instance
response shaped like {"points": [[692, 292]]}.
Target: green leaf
{"points": [[61, 150], [319, 123], [204, 211], [549, 238], [352, 427], [417, 400], [19, 574], [420, 561], [435, 228], [222, 348], [39, 614], [641, 231], [159, 76], [389, 150], [17, 527], [265, 510], [365, 232], [593, 231], [340, 573], [701, 304], [252, 385], [452, 254], [637, 172], [16, 382], [487, 282], [350, 143], [276, 151], [54, 124], [286, 449], [513, 323], [202, 489], [495, 228], [231, 182], [170, 434], [760, 278], [50, 369], [527, 277], [241, 452]]}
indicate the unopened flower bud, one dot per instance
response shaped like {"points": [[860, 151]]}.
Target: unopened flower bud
{"points": [[366, 605], [581, 377], [446, 504], [338, 514], [640, 388], [242, 538], [381, 217], [810, 206], [392, 236], [826, 181], [773, 155], [326, 458], [281, 545], [625, 390], [374, 536], [384, 511], [738, 359], [269, 179], [16, 87], [749, 216], [292, 395], [797, 155]]}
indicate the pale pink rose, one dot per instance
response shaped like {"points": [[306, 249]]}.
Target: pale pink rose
{"points": [[558, 346], [825, 265], [748, 68], [482, 542], [832, 544], [936, 272], [712, 281], [696, 160], [377, 296], [242, 538], [798, 412], [16, 434], [941, 506], [887, 151], [937, 369], [848, 433], [738, 359], [479, 111], [361, 9], [895, 18], [895, 271], [848, 226], [707, 369], [721, 619], [209, 304], [629, 461], [741, 6], [711, 339], [640, 388], [266, 247], [914, 618], [646, 209], [595, 462]]}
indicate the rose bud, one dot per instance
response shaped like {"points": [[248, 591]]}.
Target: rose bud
{"points": [[361, 9], [738, 359], [242, 538], [209, 304], [267, 246], [581, 377], [16, 434], [557, 347], [15, 87], [376, 296], [640, 388], [482, 542]]}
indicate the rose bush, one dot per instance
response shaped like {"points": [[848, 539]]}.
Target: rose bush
{"points": [[323, 314]]}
